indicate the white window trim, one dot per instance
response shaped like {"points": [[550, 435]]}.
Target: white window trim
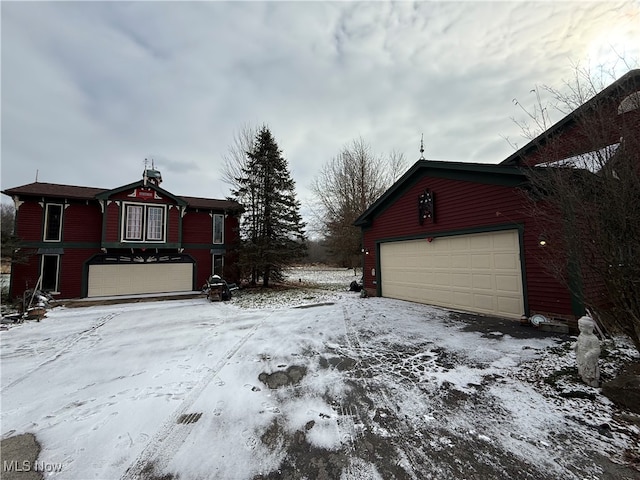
{"points": [[46, 222], [145, 207], [213, 228], [57, 289]]}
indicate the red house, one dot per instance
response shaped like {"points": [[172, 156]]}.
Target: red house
{"points": [[134, 239], [461, 235]]}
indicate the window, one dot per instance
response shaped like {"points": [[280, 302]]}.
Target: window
{"points": [[53, 223], [218, 265], [144, 223], [133, 222], [155, 224], [218, 228], [49, 272]]}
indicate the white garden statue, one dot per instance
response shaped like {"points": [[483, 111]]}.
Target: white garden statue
{"points": [[587, 352]]}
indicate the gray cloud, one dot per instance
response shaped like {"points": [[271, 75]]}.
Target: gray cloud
{"points": [[91, 89]]}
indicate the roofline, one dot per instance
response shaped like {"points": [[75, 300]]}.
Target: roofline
{"points": [[11, 191], [236, 208], [629, 79], [140, 183], [486, 168], [103, 193]]}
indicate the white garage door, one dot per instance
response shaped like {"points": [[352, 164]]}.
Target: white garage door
{"points": [[107, 280], [477, 273]]}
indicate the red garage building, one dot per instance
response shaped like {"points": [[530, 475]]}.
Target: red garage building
{"points": [[134, 239], [462, 235]]}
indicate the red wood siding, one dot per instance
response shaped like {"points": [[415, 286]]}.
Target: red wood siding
{"points": [[203, 265], [82, 223], [197, 227], [112, 211], [29, 222], [71, 271], [173, 225], [24, 275], [231, 230], [461, 205]]}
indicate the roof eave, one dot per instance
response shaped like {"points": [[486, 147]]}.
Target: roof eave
{"points": [[140, 183], [366, 218], [627, 83]]}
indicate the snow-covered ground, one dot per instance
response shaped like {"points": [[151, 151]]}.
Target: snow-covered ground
{"points": [[270, 386]]}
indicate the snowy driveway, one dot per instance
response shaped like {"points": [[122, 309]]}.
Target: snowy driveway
{"points": [[356, 389]]}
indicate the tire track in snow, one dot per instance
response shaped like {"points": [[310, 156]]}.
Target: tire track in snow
{"points": [[168, 439], [351, 420], [65, 349]]}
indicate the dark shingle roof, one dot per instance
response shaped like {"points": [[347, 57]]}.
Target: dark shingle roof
{"points": [[54, 190], [197, 202], [40, 189]]}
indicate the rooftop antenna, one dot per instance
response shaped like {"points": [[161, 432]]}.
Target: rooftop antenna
{"points": [[36, 175], [144, 174], [422, 147]]}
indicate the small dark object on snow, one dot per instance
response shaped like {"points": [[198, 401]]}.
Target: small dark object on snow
{"points": [[355, 287], [218, 289]]}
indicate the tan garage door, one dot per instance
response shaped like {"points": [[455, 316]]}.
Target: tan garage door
{"points": [[477, 273], [107, 280]]}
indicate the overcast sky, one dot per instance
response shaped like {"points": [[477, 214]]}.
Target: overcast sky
{"points": [[91, 89]]}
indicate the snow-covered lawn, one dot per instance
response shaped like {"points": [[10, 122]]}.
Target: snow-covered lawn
{"points": [[353, 388]]}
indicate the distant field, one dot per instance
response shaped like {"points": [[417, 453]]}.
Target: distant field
{"points": [[323, 275]]}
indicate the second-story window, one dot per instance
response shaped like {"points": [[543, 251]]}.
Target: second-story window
{"points": [[133, 222], [155, 223], [218, 228], [144, 223], [53, 223]]}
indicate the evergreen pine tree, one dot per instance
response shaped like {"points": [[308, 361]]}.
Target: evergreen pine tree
{"points": [[272, 230]]}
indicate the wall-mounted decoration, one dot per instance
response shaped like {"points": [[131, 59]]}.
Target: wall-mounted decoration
{"points": [[144, 194], [426, 206]]}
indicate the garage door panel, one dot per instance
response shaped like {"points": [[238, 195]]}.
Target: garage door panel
{"points": [[510, 304], [479, 272], [461, 280], [505, 261], [436, 294], [442, 261], [455, 245], [463, 299], [481, 261], [118, 279], [483, 282], [507, 284], [461, 261], [483, 303], [506, 242], [480, 243]]}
